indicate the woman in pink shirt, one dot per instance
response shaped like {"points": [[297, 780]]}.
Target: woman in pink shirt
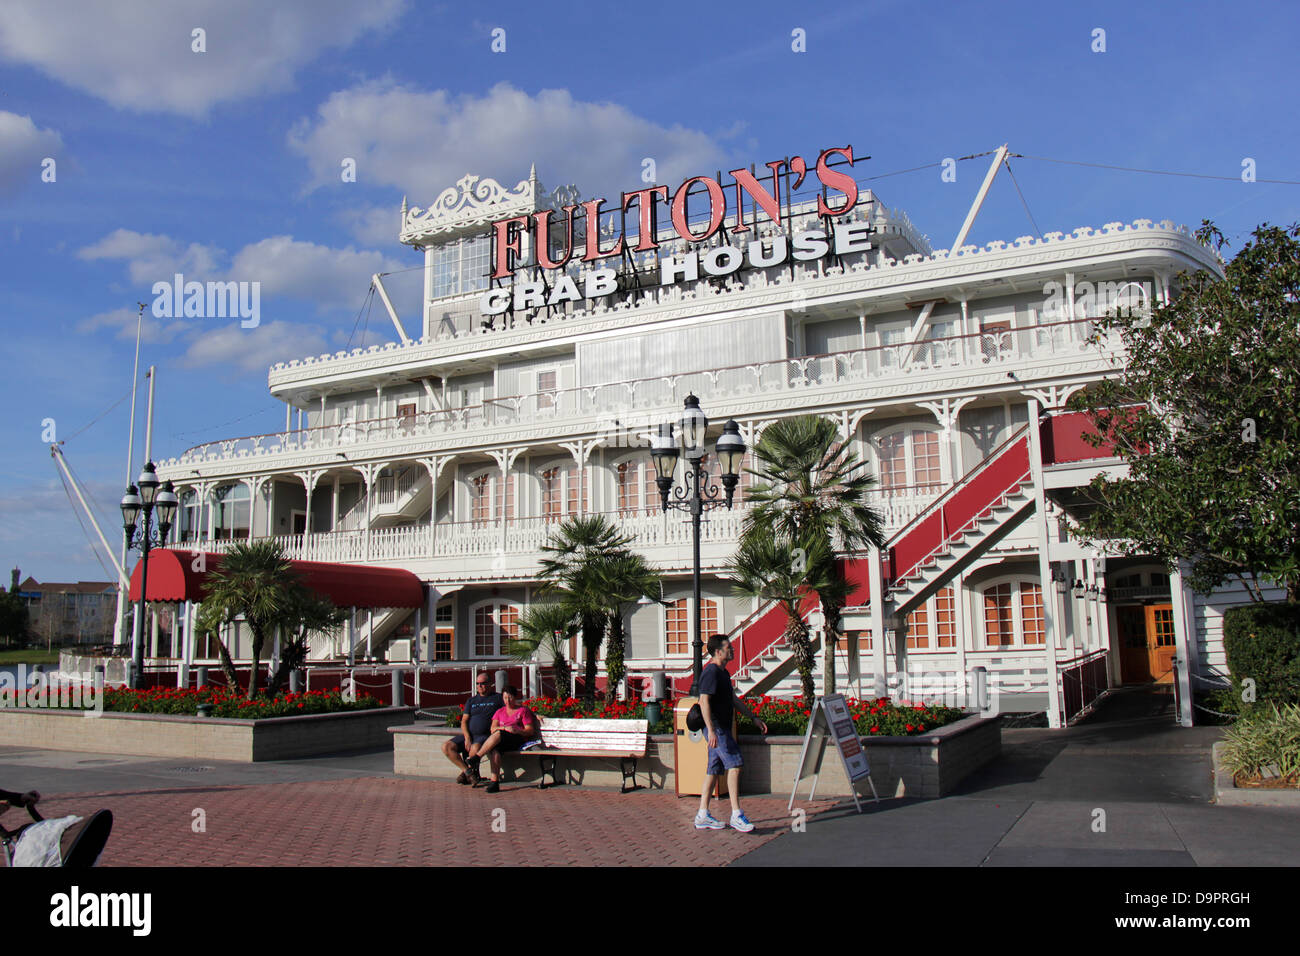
{"points": [[512, 726]]}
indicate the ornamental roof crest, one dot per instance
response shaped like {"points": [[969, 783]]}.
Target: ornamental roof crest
{"points": [[473, 203]]}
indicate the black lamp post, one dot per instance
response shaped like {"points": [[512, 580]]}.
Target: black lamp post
{"points": [[696, 494], [137, 500]]}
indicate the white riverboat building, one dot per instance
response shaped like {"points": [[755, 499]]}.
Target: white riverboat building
{"points": [[515, 401]]}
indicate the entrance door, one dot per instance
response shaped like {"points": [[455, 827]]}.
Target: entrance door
{"points": [[1160, 642], [1146, 639], [1134, 658]]}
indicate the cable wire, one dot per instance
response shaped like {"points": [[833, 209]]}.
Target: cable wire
{"points": [[1154, 172], [1023, 202]]}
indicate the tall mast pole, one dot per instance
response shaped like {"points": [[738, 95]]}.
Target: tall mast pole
{"points": [[120, 624]]}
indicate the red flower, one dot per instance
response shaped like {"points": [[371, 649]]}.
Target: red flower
{"points": [[910, 728]]}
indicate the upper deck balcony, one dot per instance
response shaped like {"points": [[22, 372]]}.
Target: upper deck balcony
{"points": [[863, 286], [625, 412]]}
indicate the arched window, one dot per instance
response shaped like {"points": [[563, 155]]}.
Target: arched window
{"points": [[560, 492], [496, 624], [488, 502], [1013, 614], [678, 624], [191, 524]]}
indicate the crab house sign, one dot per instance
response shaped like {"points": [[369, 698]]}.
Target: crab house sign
{"points": [[508, 235]]}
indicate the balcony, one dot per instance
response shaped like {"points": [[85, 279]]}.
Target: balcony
{"points": [[625, 411]]}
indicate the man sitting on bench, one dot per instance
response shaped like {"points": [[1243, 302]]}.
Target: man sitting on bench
{"points": [[475, 728], [512, 727]]}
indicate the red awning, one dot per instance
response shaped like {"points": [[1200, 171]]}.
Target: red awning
{"points": [[175, 576]]}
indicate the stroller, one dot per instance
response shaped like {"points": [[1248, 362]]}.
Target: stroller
{"points": [[69, 841]]}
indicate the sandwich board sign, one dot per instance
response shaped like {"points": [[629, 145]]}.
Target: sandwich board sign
{"points": [[831, 721]]}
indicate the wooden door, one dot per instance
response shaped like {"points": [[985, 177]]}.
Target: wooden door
{"points": [[1135, 658], [995, 339], [1160, 642]]}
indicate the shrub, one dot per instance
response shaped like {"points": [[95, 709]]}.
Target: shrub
{"points": [[225, 703], [1266, 737], [873, 718], [1262, 642]]}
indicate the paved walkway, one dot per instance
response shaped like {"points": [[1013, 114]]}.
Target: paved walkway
{"points": [[1127, 788]]}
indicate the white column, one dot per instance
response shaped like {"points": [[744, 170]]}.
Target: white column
{"points": [[352, 637], [1044, 566], [1184, 643], [879, 666], [334, 516]]}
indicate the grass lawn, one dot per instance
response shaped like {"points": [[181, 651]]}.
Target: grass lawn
{"points": [[31, 655]]}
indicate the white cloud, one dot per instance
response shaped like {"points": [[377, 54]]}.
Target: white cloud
{"points": [[304, 270], [152, 332], [254, 350], [138, 54], [424, 141], [154, 258], [23, 147], [373, 224]]}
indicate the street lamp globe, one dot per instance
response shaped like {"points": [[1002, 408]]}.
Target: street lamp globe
{"points": [[130, 508], [694, 423], [167, 502], [731, 453], [148, 482]]}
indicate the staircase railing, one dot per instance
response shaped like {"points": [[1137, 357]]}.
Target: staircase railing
{"points": [[971, 496]]}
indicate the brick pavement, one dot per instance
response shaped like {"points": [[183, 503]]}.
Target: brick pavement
{"points": [[378, 821]]}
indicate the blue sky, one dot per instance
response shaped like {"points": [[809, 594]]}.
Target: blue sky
{"points": [[225, 164]]}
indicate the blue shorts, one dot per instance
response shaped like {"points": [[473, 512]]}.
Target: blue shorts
{"points": [[725, 756]]}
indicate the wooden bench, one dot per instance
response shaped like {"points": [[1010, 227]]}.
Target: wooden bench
{"points": [[624, 740]]}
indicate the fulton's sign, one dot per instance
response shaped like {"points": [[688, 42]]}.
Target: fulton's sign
{"points": [[548, 234]]}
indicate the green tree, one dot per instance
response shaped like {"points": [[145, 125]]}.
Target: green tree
{"points": [[545, 629], [15, 622], [773, 568], [1207, 414], [569, 573], [623, 577], [812, 489], [257, 583], [307, 613]]}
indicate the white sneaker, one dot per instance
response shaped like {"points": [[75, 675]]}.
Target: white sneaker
{"points": [[741, 822], [704, 820]]}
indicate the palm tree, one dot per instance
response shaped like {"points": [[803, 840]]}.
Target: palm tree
{"points": [[813, 489], [308, 613], [622, 577], [775, 569], [546, 628], [255, 582], [567, 571]]}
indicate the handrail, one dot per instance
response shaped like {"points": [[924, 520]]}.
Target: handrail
{"points": [[1083, 657], [951, 489]]}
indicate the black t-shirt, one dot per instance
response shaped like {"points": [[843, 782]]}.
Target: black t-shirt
{"points": [[716, 683], [480, 708]]}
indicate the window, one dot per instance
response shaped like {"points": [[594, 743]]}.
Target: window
{"points": [[678, 621], [442, 643], [1013, 614], [495, 626], [233, 512], [481, 500], [945, 618], [560, 492], [1031, 613], [546, 384], [406, 415], [999, 630], [625, 476], [460, 266], [489, 501], [910, 462], [442, 614], [652, 501], [191, 517]]}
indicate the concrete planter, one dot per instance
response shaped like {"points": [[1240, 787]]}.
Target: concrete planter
{"points": [[202, 738], [929, 765], [1227, 793]]}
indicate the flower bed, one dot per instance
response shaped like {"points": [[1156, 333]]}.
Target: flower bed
{"points": [[227, 703], [873, 718], [783, 716]]}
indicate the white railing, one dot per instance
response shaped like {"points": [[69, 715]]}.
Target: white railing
{"points": [[642, 399]]}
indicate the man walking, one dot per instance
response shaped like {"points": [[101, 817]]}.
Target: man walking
{"points": [[475, 727], [718, 701]]}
